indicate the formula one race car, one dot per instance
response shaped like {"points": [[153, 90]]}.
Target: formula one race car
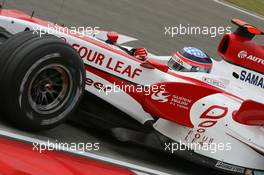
{"points": [[211, 113]]}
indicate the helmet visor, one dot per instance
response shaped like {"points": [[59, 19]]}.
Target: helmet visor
{"points": [[175, 65], [200, 69]]}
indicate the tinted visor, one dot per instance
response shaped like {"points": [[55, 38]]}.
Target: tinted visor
{"points": [[200, 69], [174, 65]]}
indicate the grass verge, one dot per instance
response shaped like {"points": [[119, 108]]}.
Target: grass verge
{"points": [[256, 6]]}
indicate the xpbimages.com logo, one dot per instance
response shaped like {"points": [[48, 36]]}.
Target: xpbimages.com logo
{"points": [[212, 31], [79, 147], [54, 29], [173, 147]]}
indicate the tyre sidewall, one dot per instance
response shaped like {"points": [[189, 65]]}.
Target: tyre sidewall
{"points": [[23, 68]]}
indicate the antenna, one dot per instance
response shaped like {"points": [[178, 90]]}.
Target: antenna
{"points": [[32, 14], [32, 11]]}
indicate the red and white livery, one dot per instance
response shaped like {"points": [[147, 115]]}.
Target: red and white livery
{"points": [[217, 116]]}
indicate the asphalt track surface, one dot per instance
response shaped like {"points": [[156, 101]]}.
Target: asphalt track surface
{"points": [[143, 19]]}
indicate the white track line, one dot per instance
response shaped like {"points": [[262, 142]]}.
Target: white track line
{"points": [[239, 9], [140, 170]]}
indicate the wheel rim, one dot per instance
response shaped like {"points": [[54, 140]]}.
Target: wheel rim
{"points": [[50, 89]]}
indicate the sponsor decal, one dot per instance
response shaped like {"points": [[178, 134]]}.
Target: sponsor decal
{"points": [[229, 167], [97, 85], [252, 78], [180, 102], [180, 62], [195, 135], [208, 119], [214, 82], [244, 55], [112, 65], [160, 96]]}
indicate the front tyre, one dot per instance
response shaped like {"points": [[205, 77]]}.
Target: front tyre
{"points": [[42, 80]]}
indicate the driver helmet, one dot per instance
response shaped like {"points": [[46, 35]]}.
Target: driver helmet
{"points": [[190, 59]]}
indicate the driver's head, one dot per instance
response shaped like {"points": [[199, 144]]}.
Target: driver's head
{"points": [[190, 59]]}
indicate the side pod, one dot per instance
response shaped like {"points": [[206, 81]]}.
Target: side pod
{"points": [[250, 113], [175, 101]]}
